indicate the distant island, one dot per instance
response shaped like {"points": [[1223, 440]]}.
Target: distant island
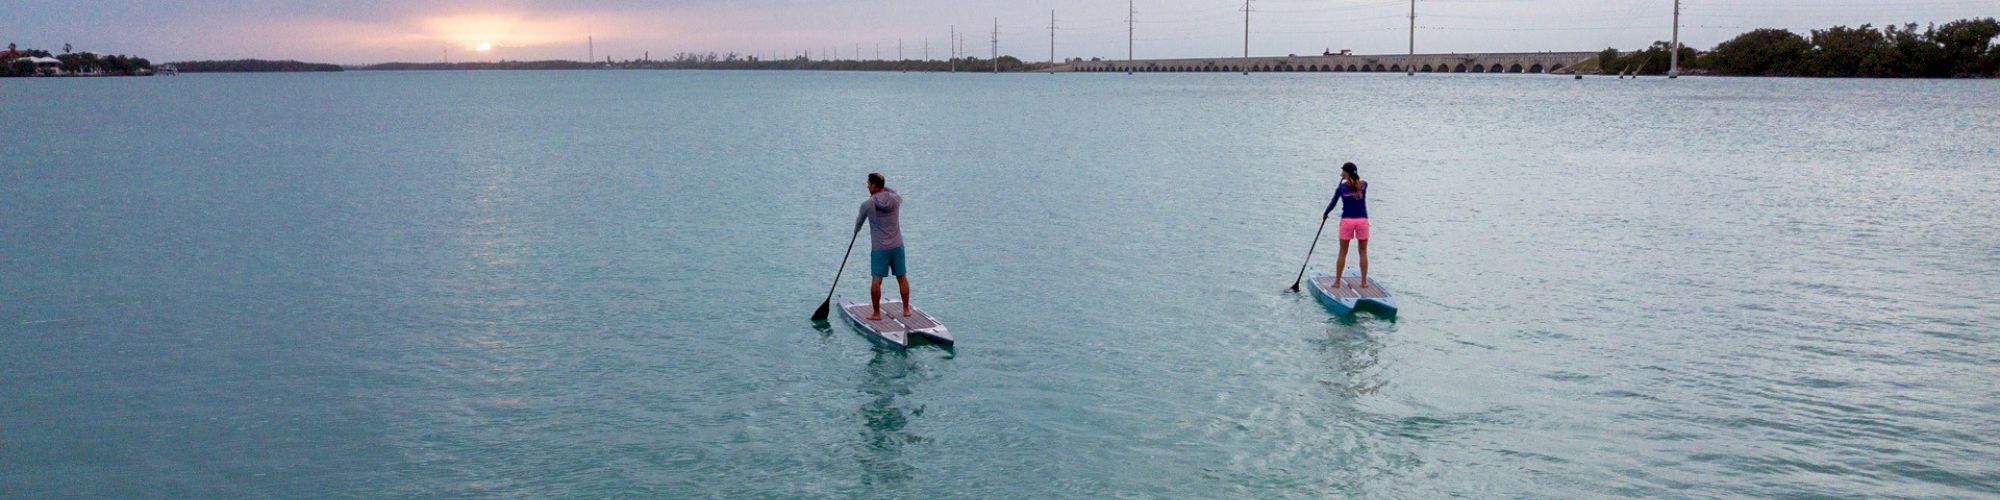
{"points": [[18, 62], [254, 66]]}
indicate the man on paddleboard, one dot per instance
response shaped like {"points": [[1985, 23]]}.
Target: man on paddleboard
{"points": [[880, 213]]}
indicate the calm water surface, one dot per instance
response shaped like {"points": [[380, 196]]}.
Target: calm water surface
{"points": [[597, 283]]}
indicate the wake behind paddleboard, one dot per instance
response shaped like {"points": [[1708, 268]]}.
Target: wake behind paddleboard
{"points": [[1344, 295], [894, 329]]}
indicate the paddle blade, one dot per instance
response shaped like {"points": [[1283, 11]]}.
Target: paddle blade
{"points": [[824, 307]]}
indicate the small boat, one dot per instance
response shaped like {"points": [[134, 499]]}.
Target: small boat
{"points": [[1344, 295], [895, 330]]}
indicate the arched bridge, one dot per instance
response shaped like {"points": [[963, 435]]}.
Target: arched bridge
{"points": [[1520, 62]]}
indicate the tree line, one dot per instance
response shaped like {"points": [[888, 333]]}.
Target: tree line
{"points": [[253, 66], [14, 62], [733, 61], [1958, 49]]}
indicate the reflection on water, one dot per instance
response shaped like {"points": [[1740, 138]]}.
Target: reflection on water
{"points": [[890, 375], [1355, 352]]}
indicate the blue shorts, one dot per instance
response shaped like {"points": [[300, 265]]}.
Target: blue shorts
{"points": [[881, 262]]}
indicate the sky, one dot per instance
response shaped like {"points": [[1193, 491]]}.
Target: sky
{"points": [[369, 31]]}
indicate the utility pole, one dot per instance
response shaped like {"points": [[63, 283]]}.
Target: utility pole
{"points": [[1246, 37], [927, 49], [1131, 31], [996, 46], [1052, 37], [899, 49], [954, 48], [1411, 62], [1674, 70], [593, 48]]}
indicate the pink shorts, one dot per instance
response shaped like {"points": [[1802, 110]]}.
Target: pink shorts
{"points": [[1354, 229]]}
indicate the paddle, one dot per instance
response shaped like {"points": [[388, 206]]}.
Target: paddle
{"points": [[1309, 255], [820, 315]]}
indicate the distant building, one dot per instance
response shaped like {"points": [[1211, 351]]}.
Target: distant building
{"points": [[46, 66]]}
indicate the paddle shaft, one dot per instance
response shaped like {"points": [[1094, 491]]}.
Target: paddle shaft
{"points": [[836, 275], [1309, 254]]}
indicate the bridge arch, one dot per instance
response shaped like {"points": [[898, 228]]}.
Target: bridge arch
{"points": [[1516, 68], [1495, 68], [1427, 68], [1398, 67], [1478, 68], [1458, 69], [1535, 69], [1556, 67]]}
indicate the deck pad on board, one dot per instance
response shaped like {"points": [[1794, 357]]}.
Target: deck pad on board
{"points": [[1344, 294], [1350, 287], [894, 327]]}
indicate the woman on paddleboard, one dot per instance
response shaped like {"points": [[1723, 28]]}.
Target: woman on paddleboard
{"points": [[1353, 218]]}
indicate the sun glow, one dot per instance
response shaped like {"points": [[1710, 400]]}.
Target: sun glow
{"points": [[487, 35], [487, 32]]}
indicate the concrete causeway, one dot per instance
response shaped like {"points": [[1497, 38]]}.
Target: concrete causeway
{"points": [[1516, 62]]}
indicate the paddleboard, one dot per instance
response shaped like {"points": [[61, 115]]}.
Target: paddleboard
{"points": [[1344, 295], [894, 329]]}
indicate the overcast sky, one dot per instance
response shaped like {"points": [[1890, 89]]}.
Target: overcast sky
{"points": [[363, 31]]}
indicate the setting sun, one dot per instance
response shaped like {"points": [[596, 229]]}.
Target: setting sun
{"points": [[484, 47]]}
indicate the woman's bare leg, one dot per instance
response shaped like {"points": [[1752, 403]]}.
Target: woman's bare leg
{"points": [[1340, 264], [1363, 247]]}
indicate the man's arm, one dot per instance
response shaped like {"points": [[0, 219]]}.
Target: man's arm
{"points": [[862, 217]]}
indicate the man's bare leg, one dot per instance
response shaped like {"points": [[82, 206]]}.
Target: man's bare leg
{"points": [[903, 282], [875, 294]]}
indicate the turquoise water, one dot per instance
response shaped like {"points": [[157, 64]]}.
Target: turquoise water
{"points": [[597, 284]]}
